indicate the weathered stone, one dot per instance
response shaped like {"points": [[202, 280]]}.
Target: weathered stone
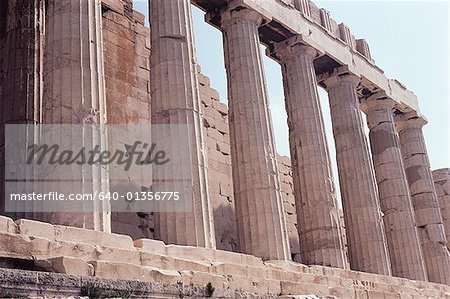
{"points": [[33, 228], [126, 73], [66, 265], [189, 252], [176, 99], [154, 246], [314, 191], [78, 235], [365, 232], [442, 177], [74, 93], [7, 225], [428, 217], [255, 174], [21, 32], [133, 272], [395, 200]]}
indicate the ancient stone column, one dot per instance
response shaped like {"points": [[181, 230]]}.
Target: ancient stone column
{"points": [[314, 190], [441, 179], [74, 92], [395, 201], [424, 199], [22, 75], [259, 210], [176, 100], [365, 231]]}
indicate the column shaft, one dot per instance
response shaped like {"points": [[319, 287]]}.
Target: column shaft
{"points": [[176, 100], [259, 210], [441, 179], [74, 92], [401, 233], [424, 199], [365, 232], [22, 75], [315, 195]]}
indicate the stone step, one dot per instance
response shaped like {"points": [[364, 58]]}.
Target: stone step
{"points": [[38, 229], [88, 253]]}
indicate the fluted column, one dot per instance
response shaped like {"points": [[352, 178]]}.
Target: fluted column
{"points": [[74, 94], [315, 194], [395, 201], [362, 215], [441, 179], [424, 199], [259, 210], [22, 77], [176, 100]]}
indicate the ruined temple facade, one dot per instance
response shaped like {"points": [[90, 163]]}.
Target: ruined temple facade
{"points": [[263, 224]]}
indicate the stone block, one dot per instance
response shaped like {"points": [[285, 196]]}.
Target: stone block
{"points": [[213, 113], [83, 251], [14, 245], [220, 167], [288, 266], [206, 100], [257, 272], [160, 275], [229, 269], [199, 266], [226, 189], [221, 107], [447, 187], [114, 5], [133, 272], [211, 93], [149, 245], [79, 235], [427, 216], [295, 288], [251, 260], [7, 225], [211, 145], [283, 168], [227, 257], [341, 292], [35, 229], [261, 285], [211, 132], [66, 265], [190, 253], [113, 254], [223, 147], [222, 126], [157, 260], [203, 80], [201, 279], [240, 283]]}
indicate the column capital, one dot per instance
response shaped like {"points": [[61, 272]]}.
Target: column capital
{"points": [[236, 14], [335, 79], [411, 120], [377, 101], [293, 47]]}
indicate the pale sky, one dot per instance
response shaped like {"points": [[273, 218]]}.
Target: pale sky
{"points": [[409, 40]]}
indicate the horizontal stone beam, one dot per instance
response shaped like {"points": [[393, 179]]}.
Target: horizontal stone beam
{"points": [[285, 21]]}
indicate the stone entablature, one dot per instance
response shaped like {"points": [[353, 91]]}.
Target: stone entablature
{"points": [[285, 19]]}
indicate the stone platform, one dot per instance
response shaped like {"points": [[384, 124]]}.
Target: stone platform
{"points": [[151, 269]]}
